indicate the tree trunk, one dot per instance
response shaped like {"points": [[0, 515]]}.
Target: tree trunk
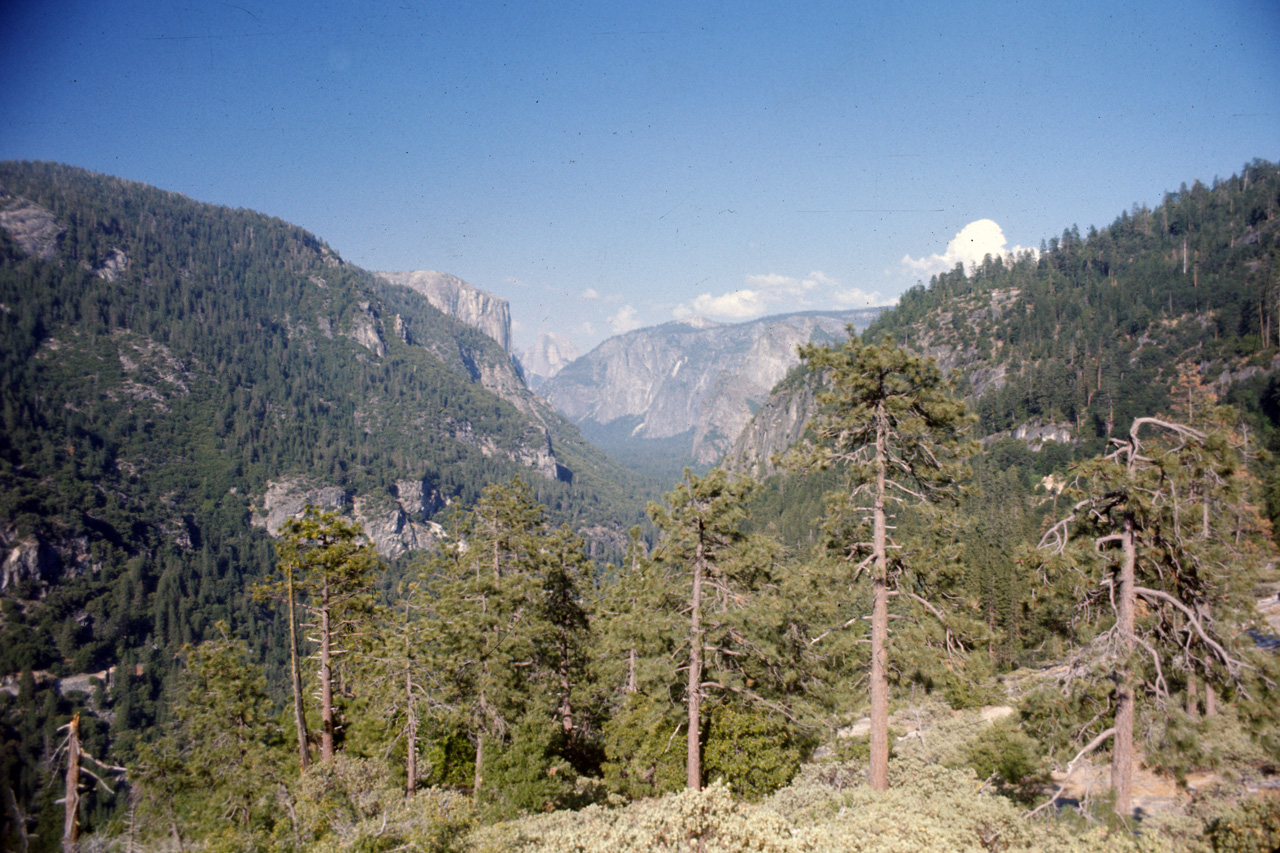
{"points": [[1122, 752], [326, 678], [1193, 702], [478, 779], [411, 735], [694, 756], [566, 686], [631, 670], [295, 673], [71, 822], [878, 772], [19, 820], [1210, 700]]}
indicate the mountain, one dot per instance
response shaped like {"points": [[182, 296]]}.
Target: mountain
{"points": [[679, 393], [178, 378], [1070, 344], [546, 358], [455, 297]]}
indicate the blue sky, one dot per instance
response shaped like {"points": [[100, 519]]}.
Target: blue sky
{"points": [[607, 165]]}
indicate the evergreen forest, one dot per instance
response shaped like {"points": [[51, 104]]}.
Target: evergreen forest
{"points": [[1011, 591]]}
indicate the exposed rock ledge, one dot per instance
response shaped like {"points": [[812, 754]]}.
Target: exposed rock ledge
{"points": [[394, 526]]}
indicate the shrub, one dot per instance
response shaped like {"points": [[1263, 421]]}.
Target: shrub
{"points": [[352, 805], [1253, 826], [754, 752], [644, 752], [1007, 754]]}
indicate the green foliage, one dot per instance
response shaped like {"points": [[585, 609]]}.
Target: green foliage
{"points": [[529, 773], [223, 719], [1253, 826], [824, 809], [644, 756], [752, 751], [350, 805], [1006, 754]]}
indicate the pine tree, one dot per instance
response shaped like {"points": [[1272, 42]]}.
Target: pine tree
{"points": [[700, 520], [888, 419], [483, 596], [1142, 529], [326, 560]]}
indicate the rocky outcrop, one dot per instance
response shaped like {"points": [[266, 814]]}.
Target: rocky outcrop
{"points": [[395, 524], [1035, 434], [365, 331], [113, 266], [33, 562], [698, 377], [35, 229], [455, 297]]}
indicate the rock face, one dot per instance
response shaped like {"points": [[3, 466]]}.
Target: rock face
{"points": [[694, 377], [33, 228], [455, 297], [394, 526], [778, 425], [551, 354]]}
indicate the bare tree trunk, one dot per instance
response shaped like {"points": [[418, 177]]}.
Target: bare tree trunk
{"points": [[1122, 749], [19, 820], [694, 754], [1193, 701], [878, 772], [478, 779], [631, 670], [326, 678], [566, 686], [411, 735], [71, 822], [295, 673], [1210, 700]]}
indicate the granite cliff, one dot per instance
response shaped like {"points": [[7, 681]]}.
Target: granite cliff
{"points": [[692, 385]]}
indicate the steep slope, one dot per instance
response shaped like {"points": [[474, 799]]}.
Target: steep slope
{"points": [[686, 387], [1072, 343], [178, 376], [455, 297]]}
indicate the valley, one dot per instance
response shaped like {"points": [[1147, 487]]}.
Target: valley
{"points": [[522, 623]]}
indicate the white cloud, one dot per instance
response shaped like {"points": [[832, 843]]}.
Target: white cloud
{"points": [[590, 293], [625, 320], [856, 297], [974, 242], [764, 293]]}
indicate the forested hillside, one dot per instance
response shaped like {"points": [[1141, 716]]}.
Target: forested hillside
{"points": [[168, 368], [1073, 342], [914, 629]]}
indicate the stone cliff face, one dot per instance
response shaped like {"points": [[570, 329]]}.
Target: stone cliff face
{"points": [[776, 427], [700, 378], [394, 526], [455, 297], [551, 354], [32, 227]]}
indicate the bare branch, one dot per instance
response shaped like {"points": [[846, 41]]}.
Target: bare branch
{"points": [[1071, 768]]}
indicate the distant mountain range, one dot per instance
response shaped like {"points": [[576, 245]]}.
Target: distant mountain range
{"points": [[679, 393]]}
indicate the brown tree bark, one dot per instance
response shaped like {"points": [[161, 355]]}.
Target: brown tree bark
{"points": [[878, 772], [411, 735], [326, 678], [295, 674], [1122, 749], [694, 753], [71, 821]]}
